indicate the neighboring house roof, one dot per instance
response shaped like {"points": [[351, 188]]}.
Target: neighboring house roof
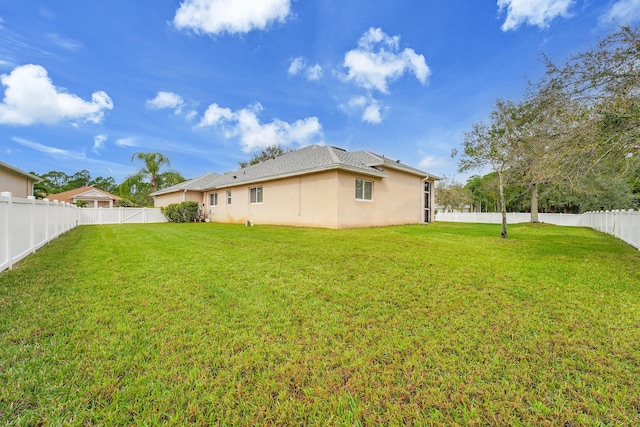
{"points": [[311, 159], [19, 172], [195, 184], [83, 193]]}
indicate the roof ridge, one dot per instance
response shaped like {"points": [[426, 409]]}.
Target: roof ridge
{"points": [[376, 155], [333, 154]]}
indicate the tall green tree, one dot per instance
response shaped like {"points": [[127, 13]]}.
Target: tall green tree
{"points": [[138, 186], [491, 146], [605, 81], [484, 192], [78, 180], [56, 182], [537, 126], [452, 195], [53, 182], [267, 153], [153, 162], [107, 184]]}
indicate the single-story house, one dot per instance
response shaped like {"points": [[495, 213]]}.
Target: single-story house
{"points": [[15, 181], [318, 186], [94, 197], [187, 191]]}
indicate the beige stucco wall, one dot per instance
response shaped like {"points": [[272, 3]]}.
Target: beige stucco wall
{"points": [[325, 199], [396, 199], [177, 197], [308, 200], [19, 186]]}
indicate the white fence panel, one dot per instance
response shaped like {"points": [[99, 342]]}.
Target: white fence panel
{"points": [[4, 231], [99, 216], [512, 217], [28, 224], [625, 225]]}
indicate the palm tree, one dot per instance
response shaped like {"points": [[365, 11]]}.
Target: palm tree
{"points": [[148, 179], [152, 164]]}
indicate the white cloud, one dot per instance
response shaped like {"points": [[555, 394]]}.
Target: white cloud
{"points": [[246, 125], [533, 12], [231, 16], [314, 72], [433, 162], [55, 152], [378, 61], [65, 43], [171, 101], [371, 108], [372, 114], [296, 66], [622, 12], [126, 142], [98, 142], [30, 97], [166, 100], [299, 66], [215, 115]]}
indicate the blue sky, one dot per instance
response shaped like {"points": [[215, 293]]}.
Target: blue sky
{"points": [[85, 84]]}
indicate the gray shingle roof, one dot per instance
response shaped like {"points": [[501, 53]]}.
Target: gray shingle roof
{"points": [[195, 184], [314, 158], [311, 159]]}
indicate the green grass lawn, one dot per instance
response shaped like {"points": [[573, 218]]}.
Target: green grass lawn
{"points": [[209, 324]]}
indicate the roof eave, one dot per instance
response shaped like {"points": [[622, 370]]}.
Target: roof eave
{"points": [[21, 172], [309, 171]]}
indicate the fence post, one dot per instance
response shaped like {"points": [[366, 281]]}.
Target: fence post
{"points": [[5, 229], [46, 219], [32, 222], [56, 209], [638, 221]]}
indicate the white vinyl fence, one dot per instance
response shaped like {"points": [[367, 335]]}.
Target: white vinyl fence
{"points": [[512, 218], [100, 216], [625, 225], [28, 224]]}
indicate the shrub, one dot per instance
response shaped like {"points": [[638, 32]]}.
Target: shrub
{"points": [[125, 203], [181, 212]]}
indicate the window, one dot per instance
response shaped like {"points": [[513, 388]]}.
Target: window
{"points": [[213, 199], [427, 202], [228, 197], [364, 189], [255, 194]]}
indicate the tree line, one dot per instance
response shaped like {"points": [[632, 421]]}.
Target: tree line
{"points": [[134, 190], [571, 144]]}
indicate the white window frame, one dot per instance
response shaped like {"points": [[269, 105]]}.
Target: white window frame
{"points": [[258, 192], [363, 193], [213, 199], [228, 197]]}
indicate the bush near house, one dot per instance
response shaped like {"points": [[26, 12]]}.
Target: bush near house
{"points": [[181, 212]]}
